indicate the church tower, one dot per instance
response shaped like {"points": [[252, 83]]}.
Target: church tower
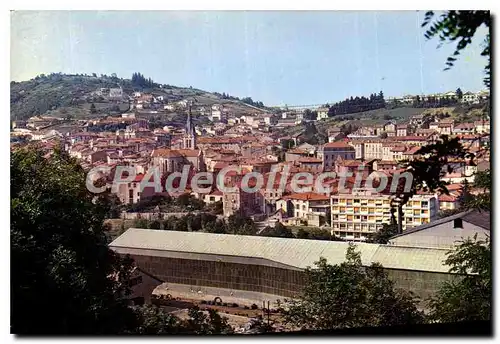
{"points": [[189, 139]]}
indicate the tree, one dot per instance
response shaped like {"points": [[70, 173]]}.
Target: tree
{"points": [[468, 297], [349, 295], [383, 135], [60, 260], [242, 225], [92, 108], [461, 26], [383, 235], [156, 320], [211, 323], [459, 93], [279, 230]]}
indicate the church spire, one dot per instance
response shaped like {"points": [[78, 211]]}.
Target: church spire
{"points": [[189, 141]]}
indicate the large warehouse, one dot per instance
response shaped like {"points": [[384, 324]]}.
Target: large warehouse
{"points": [[268, 265]]}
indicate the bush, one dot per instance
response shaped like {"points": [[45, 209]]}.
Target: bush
{"points": [[246, 307], [225, 304], [254, 306], [203, 302], [235, 305]]}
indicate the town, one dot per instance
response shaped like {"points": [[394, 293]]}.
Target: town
{"points": [[142, 204]]}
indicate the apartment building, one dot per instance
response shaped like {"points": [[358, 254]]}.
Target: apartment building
{"points": [[373, 150], [362, 212]]}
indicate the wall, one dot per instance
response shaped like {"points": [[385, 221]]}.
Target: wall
{"points": [[265, 279]]}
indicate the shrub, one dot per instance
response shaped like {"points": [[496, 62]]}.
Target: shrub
{"points": [[254, 306], [235, 305]]}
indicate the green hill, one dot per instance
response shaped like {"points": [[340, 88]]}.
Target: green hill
{"points": [[64, 95]]}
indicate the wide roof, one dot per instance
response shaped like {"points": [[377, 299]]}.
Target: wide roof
{"points": [[278, 252]]}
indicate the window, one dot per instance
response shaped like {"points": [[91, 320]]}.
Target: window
{"points": [[425, 204], [356, 200], [356, 209], [349, 202]]}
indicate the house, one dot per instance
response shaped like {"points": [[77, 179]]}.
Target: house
{"points": [[445, 127], [329, 152], [300, 205], [334, 134], [131, 192], [311, 164], [470, 98], [212, 197], [482, 126], [322, 113], [417, 120], [402, 130], [464, 128], [447, 232]]}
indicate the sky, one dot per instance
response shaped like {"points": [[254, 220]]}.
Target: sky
{"points": [[277, 57]]}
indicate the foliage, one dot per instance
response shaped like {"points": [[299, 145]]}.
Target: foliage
{"points": [[468, 297], [461, 26], [43, 93], [59, 255], [310, 115], [350, 295], [138, 80], [155, 320], [279, 230], [357, 104], [383, 235], [211, 323], [240, 224]]}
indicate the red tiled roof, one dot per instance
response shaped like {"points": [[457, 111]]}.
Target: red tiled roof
{"points": [[338, 144]]}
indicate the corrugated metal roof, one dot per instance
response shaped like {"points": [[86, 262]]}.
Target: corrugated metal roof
{"points": [[299, 253], [411, 258]]}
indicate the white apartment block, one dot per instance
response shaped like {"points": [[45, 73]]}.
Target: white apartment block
{"points": [[356, 215]]}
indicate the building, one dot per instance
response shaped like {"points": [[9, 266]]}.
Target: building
{"points": [[446, 232], [301, 205], [267, 268], [358, 214], [329, 152], [189, 137], [470, 98], [322, 113]]}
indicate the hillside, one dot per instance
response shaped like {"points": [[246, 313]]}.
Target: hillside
{"points": [[63, 95]]}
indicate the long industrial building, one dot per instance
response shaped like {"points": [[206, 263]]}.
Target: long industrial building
{"points": [[269, 265]]}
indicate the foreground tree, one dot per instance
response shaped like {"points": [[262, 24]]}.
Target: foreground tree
{"points": [[200, 322], [460, 26], [467, 298], [350, 295], [383, 235], [60, 262]]}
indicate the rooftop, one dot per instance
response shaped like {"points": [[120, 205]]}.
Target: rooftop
{"points": [[278, 252]]}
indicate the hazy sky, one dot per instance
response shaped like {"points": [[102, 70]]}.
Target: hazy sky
{"points": [[280, 57]]}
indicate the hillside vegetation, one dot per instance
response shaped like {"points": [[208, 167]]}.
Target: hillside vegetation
{"points": [[64, 95]]}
